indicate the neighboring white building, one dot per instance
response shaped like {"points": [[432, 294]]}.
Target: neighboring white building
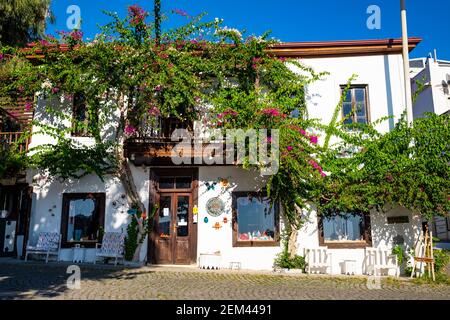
{"points": [[185, 226], [431, 83]]}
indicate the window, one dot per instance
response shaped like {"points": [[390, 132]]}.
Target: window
{"points": [[80, 116], [255, 220], [170, 183], [82, 218], [355, 106], [345, 230]]}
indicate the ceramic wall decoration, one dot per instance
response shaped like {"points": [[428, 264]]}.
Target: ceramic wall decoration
{"points": [[215, 207], [225, 220], [211, 186], [217, 226], [206, 220], [224, 182]]}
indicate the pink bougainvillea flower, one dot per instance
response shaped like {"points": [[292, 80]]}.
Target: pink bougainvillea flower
{"points": [[44, 42], [130, 130], [271, 112], [136, 14], [282, 59], [154, 111], [158, 88], [28, 106], [227, 113], [180, 12], [55, 90], [1, 56], [314, 139], [323, 174], [290, 148], [269, 139]]}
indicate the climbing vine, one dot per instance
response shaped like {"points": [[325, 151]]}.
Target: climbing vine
{"points": [[134, 72]]}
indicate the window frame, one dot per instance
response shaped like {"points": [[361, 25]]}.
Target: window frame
{"points": [[67, 197], [367, 242], [73, 132], [235, 226], [351, 89]]}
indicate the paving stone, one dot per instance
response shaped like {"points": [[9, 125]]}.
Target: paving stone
{"points": [[48, 281]]}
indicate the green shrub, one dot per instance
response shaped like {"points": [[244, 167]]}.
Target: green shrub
{"points": [[401, 255], [283, 260], [441, 259]]}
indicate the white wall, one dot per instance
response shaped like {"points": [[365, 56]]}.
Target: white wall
{"points": [[382, 237], [433, 98], [211, 240], [47, 204], [382, 74]]}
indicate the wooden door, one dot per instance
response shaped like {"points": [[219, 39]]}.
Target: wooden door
{"points": [[173, 229]]}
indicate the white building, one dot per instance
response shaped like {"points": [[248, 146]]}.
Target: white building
{"points": [[241, 228], [431, 84], [431, 81]]}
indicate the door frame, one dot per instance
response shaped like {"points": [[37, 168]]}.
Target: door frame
{"points": [[155, 175], [24, 196]]}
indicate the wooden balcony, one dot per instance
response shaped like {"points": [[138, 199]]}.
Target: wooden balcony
{"points": [[154, 151], [13, 126], [8, 139]]}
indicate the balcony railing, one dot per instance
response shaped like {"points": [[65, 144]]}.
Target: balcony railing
{"points": [[8, 139]]}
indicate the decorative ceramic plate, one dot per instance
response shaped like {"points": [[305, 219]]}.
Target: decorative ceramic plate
{"points": [[215, 207]]}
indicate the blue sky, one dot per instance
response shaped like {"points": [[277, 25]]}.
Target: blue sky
{"points": [[292, 20]]}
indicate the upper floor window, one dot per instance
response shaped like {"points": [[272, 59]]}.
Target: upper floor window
{"points": [[80, 116], [356, 105]]}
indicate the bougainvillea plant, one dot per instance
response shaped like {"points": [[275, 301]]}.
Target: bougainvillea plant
{"points": [[132, 73]]}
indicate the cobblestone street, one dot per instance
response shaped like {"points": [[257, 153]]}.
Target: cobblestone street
{"points": [[36, 280]]}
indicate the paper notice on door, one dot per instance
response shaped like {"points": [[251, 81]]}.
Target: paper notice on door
{"points": [[166, 212], [182, 223]]}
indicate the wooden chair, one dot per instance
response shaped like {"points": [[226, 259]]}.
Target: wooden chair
{"points": [[49, 243], [318, 258], [379, 259], [112, 246]]}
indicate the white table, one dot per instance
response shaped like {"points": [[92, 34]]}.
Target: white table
{"points": [[210, 261], [350, 267], [78, 254]]}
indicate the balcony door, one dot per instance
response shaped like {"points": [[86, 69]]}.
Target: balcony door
{"points": [[173, 234]]}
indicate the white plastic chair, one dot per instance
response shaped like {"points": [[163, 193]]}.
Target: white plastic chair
{"points": [[318, 258], [49, 243], [112, 246], [379, 259]]}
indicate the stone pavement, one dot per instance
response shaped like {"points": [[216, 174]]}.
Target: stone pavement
{"points": [[36, 280]]}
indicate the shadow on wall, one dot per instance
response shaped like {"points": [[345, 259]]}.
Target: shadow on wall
{"points": [[385, 234], [17, 280], [389, 101]]}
